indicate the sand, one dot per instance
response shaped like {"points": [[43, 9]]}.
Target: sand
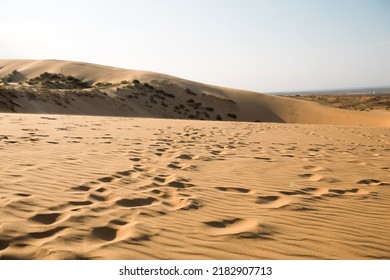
{"points": [[88, 187], [99, 166]]}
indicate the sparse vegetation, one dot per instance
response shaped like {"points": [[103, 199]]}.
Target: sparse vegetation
{"points": [[233, 116], [169, 95], [218, 117], [148, 86], [189, 91], [58, 81], [104, 84], [9, 78], [136, 82]]}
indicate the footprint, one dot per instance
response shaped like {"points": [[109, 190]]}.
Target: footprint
{"points": [[3, 244], [124, 173], [372, 182], [136, 202], [316, 191], [311, 177], [45, 234], [105, 233], [180, 185], [174, 165], [273, 201], [233, 190], [299, 192], [175, 202], [185, 156], [354, 191], [192, 205], [118, 222], [234, 226], [313, 168], [46, 219], [106, 179], [263, 158], [338, 191], [80, 203], [23, 194], [100, 197]]}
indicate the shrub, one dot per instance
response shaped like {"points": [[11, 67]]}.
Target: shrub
{"points": [[219, 117], [233, 116], [148, 86], [136, 82], [169, 95], [189, 91], [10, 77], [53, 80], [211, 109], [104, 84]]}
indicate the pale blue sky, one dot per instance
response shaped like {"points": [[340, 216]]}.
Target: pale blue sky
{"points": [[265, 46]]}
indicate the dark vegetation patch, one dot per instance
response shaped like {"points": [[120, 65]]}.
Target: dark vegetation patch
{"points": [[58, 81]]}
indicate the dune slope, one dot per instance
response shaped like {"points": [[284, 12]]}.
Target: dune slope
{"points": [[163, 96]]}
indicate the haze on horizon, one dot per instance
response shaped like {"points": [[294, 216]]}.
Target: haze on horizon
{"points": [[265, 46]]}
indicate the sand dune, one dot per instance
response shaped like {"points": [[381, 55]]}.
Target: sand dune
{"points": [[168, 97], [82, 187], [78, 183]]}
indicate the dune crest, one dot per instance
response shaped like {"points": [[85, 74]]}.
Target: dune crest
{"points": [[113, 93]]}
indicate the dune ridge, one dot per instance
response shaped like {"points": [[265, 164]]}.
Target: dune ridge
{"points": [[183, 99]]}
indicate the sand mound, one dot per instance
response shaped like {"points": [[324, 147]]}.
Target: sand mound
{"points": [[112, 92]]}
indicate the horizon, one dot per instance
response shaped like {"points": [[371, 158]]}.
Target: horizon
{"points": [[270, 47]]}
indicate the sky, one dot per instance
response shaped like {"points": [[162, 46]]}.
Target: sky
{"points": [[265, 46]]}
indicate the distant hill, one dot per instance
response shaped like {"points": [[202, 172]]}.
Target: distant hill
{"points": [[62, 87]]}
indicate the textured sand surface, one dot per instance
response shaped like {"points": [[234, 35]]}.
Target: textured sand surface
{"points": [[79, 187]]}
